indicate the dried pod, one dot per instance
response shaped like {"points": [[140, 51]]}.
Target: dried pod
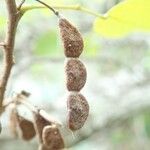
{"points": [[78, 110], [40, 123], [13, 121], [27, 128], [72, 39], [52, 138], [75, 74]]}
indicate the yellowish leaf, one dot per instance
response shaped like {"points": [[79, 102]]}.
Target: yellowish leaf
{"points": [[126, 17]]}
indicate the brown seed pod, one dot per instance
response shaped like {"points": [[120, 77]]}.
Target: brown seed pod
{"points": [[40, 123], [71, 37], [27, 128], [52, 138], [78, 111], [13, 121], [75, 74]]}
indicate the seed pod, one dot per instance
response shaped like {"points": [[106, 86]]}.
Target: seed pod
{"points": [[40, 123], [78, 110], [13, 121], [72, 39], [52, 138], [75, 74], [27, 128]]}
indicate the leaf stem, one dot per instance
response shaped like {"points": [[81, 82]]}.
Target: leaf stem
{"points": [[49, 7], [20, 5], [64, 7]]}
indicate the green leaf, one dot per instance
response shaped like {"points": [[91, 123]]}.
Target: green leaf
{"points": [[91, 45], [2, 22], [47, 44], [147, 123], [124, 18]]}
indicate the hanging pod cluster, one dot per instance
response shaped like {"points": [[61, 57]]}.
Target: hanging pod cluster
{"points": [[24, 126], [47, 131], [49, 135], [76, 74]]}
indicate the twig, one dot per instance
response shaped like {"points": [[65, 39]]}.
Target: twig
{"points": [[49, 7], [20, 98], [13, 18], [20, 5], [64, 7]]}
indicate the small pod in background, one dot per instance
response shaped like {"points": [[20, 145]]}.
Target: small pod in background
{"points": [[71, 38], [13, 121], [76, 74], [40, 123], [52, 138], [78, 111], [27, 128]]}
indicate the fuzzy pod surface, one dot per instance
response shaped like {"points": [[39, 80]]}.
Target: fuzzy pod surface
{"points": [[52, 138], [76, 74], [71, 38], [27, 128], [78, 111]]}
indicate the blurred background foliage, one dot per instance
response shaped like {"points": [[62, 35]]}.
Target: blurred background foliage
{"points": [[126, 17], [117, 85]]}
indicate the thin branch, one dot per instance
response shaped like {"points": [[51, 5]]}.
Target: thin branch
{"points": [[64, 7], [20, 5], [49, 7], [13, 18]]}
